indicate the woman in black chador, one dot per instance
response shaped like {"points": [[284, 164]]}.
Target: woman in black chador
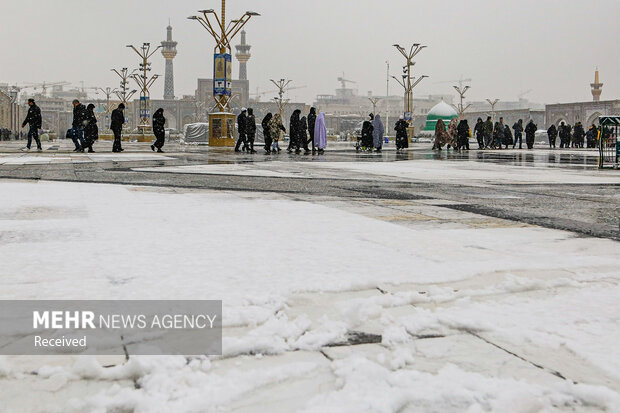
{"points": [[158, 130], [91, 131]]}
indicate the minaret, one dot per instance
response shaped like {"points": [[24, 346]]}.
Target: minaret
{"points": [[597, 87], [243, 55], [169, 50]]}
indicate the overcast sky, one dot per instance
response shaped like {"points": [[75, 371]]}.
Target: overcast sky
{"points": [[506, 46]]}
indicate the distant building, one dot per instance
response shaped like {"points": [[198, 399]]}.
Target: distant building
{"points": [[584, 112]]}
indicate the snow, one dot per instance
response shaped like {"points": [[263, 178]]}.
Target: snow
{"points": [[289, 290]]}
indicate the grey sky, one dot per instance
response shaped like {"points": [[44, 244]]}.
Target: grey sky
{"points": [[507, 47]]}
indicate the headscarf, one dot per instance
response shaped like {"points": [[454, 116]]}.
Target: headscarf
{"points": [[320, 132]]}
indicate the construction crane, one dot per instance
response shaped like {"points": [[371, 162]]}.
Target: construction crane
{"points": [[344, 81], [45, 85], [259, 94], [522, 94], [460, 81]]}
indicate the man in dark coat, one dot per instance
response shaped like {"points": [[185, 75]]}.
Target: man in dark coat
{"points": [[241, 128], [479, 132], [564, 132], [34, 120], [78, 125], [250, 129], [311, 123], [367, 130], [401, 134], [159, 130], [591, 137], [518, 128], [530, 134], [488, 132], [552, 134], [498, 134], [117, 119], [578, 135]]}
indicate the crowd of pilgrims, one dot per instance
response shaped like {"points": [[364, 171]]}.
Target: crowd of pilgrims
{"points": [[499, 135], [311, 130], [303, 131]]}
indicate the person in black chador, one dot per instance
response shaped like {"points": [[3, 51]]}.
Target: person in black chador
{"points": [[303, 134], [591, 137], [250, 130], [79, 122], [401, 134], [267, 132], [116, 125], [530, 134], [241, 123], [159, 122], [295, 132], [311, 123], [507, 136], [498, 134], [578, 135], [91, 131], [518, 128], [462, 131], [34, 121], [552, 134], [367, 130], [479, 132]]}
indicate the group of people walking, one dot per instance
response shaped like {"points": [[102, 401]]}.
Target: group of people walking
{"points": [[303, 131], [488, 135], [84, 131], [573, 137]]}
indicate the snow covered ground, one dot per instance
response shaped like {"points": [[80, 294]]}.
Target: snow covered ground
{"points": [[330, 305]]}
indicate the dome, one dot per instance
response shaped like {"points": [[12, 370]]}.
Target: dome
{"points": [[440, 111]]}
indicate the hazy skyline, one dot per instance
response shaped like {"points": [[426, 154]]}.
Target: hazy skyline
{"points": [[549, 46]]}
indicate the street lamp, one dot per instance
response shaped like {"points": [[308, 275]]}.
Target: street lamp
{"points": [[144, 83], [460, 108], [281, 84], [222, 123], [493, 103], [408, 83], [374, 102]]}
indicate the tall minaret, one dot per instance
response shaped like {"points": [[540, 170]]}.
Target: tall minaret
{"points": [[597, 87], [169, 50], [243, 55]]}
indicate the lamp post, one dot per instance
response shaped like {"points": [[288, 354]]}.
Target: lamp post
{"points": [[108, 91], [460, 108], [281, 85], [493, 103], [374, 102], [408, 83], [144, 83], [124, 94], [387, 95], [222, 122]]}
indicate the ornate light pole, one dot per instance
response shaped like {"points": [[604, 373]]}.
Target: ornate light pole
{"points": [[493, 103], [281, 85], [108, 108], [222, 122], [124, 94], [409, 82], [460, 109], [144, 83], [374, 102]]}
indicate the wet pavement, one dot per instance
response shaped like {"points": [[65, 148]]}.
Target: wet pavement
{"points": [[560, 188]]}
